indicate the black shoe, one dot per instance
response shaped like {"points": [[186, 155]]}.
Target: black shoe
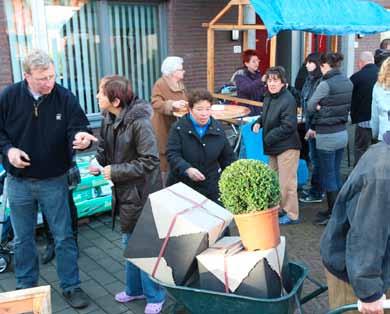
{"points": [[282, 212], [48, 254], [76, 298]]}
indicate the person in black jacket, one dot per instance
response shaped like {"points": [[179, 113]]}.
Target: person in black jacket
{"points": [[198, 149], [355, 246], [363, 83], [281, 139], [315, 194], [41, 124], [330, 106]]}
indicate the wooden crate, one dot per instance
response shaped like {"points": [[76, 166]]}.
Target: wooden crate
{"points": [[34, 300]]}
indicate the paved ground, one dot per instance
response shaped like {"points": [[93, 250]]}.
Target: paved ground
{"points": [[102, 274]]}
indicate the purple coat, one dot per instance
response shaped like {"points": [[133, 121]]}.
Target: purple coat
{"points": [[250, 86]]}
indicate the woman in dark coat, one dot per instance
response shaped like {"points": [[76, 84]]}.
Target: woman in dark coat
{"points": [[330, 105], [128, 155], [281, 140], [198, 149], [248, 81]]}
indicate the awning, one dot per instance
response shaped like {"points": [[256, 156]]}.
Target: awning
{"points": [[328, 17]]}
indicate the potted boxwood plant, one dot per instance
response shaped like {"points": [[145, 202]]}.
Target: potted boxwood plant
{"points": [[250, 190]]}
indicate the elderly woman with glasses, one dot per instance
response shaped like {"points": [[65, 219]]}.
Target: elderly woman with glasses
{"points": [[168, 95]]}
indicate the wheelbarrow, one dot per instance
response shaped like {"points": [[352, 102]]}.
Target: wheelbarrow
{"points": [[354, 307], [199, 301]]}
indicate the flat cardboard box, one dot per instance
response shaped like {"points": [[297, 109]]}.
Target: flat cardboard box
{"points": [[183, 219], [227, 267]]}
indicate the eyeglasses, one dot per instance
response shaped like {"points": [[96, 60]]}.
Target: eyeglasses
{"points": [[48, 78]]}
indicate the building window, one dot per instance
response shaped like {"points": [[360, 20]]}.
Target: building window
{"points": [[75, 32]]}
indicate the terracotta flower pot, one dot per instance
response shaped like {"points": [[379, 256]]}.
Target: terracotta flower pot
{"points": [[259, 230]]}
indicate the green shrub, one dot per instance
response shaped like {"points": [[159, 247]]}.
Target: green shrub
{"points": [[249, 186]]}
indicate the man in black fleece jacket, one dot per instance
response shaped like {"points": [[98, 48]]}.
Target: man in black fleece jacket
{"points": [[41, 123]]}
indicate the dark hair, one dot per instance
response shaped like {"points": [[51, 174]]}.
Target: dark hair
{"points": [[248, 54], [380, 56], [332, 58], [314, 57], [385, 43], [199, 95], [277, 71], [119, 87]]}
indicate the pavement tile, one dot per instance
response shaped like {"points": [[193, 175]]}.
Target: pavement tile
{"points": [[94, 289], [109, 305], [57, 302], [115, 287], [102, 276], [95, 252]]}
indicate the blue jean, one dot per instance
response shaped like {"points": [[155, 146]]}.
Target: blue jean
{"points": [[330, 162], [138, 282], [316, 189], [51, 195]]}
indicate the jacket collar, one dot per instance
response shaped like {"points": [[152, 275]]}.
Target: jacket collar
{"points": [[186, 124], [331, 73], [173, 87], [137, 109]]}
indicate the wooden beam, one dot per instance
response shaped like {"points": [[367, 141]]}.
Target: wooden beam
{"points": [[240, 15], [221, 13], [272, 54], [35, 300], [237, 2], [245, 40], [229, 27], [210, 60], [237, 99]]}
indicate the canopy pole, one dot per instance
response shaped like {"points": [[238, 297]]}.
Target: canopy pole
{"points": [[272, 55], [210, 59]]}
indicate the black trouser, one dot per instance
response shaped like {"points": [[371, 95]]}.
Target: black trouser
{"points": [[363, 140], [73, 216]]}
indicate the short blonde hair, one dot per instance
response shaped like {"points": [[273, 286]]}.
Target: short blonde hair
{"points": [[36, 59], [384, 74]]}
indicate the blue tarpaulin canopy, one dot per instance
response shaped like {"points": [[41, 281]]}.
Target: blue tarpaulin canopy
{"points": [[328, 17]]}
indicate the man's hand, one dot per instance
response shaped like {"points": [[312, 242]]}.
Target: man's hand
{"points": [[179, 104], [107, 172], [256, 128], [310, 134], [82, 140], [195, 174], [94, 170], [372, 307], [18, 158]]}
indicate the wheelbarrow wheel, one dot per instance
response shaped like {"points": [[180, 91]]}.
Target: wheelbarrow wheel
{"points": [[4, 262]]}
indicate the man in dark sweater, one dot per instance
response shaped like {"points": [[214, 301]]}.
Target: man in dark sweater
{"points": [[41, 123], [363, 83]]}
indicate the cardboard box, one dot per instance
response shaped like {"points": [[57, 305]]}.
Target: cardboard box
{"points": [[176, 224], [93, 206], [227, 267]]}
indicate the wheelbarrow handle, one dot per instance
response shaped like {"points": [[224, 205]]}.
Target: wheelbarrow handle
{"points": [[321, 289], [357, 306]]}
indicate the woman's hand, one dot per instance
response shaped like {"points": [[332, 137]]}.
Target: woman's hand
{"points": [[310, 134], [195, 174], [94, 170], [179, 104], [107, 172], [256, 128]]}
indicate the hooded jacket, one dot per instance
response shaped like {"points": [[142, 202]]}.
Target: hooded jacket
{"points": [[129, 146], [355, 246]]}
